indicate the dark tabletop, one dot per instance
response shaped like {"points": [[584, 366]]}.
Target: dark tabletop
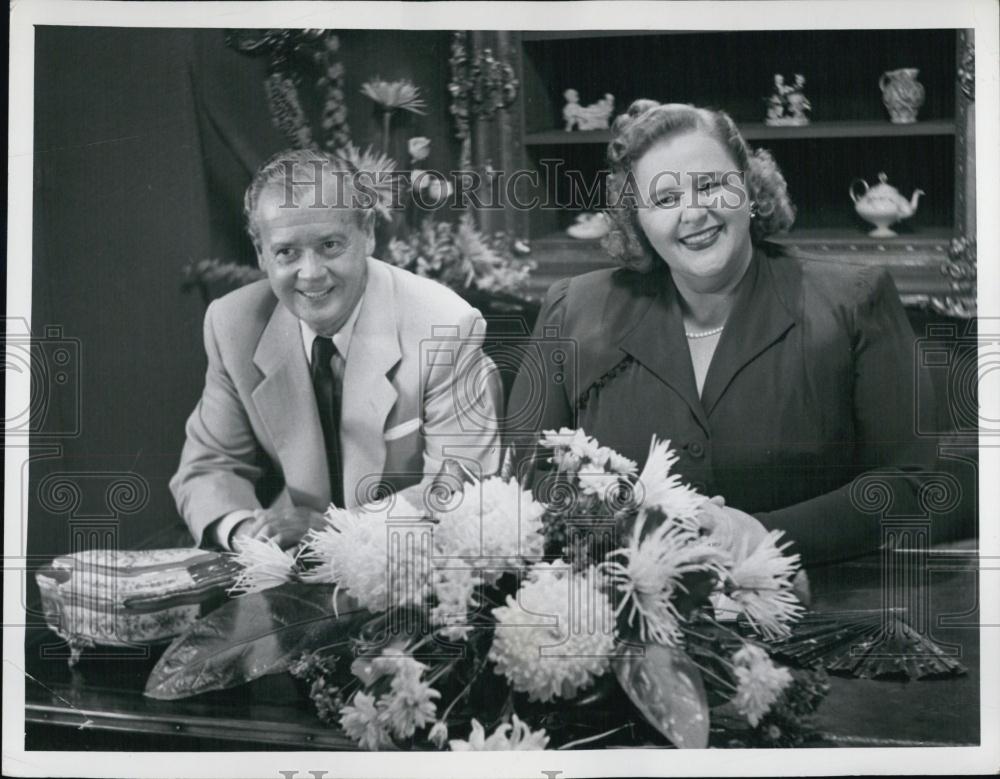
{"points": [[99, 704]]}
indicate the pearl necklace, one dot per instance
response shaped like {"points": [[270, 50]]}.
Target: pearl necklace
{"points": [[705, 334]]}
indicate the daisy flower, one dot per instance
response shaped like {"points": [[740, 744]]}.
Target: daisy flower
{"points": [[759, 682], [521, 738], [361, 722], [408, 705], [597, 482], [392, 95]]}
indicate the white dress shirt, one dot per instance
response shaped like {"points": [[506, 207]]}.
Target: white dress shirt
{"points": [[224, 527]]}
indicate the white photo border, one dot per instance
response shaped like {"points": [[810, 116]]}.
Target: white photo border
{"points": [[981, 15]]}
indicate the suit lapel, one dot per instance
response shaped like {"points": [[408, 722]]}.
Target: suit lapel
{"points": [[368, 395], [658, 343], [759, 317], [286, 403]]}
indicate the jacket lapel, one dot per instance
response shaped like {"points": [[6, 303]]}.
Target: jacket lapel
{"points": [[658, 343], [760, 317], [286, 403], [368, 395]]}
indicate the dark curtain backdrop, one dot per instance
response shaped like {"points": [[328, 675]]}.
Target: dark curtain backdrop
{"points": [[144, 142]]}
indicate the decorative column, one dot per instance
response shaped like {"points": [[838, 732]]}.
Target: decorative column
{"points": [[961, 266], [483, 89]]}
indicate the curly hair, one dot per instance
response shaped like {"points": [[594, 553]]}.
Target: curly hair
{"points": [[647, 122]]}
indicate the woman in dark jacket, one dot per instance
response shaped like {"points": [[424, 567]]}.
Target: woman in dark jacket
{"points": [[785, 385]]}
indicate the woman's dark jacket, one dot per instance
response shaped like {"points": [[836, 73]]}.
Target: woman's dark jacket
{"points": [[807, 415]]}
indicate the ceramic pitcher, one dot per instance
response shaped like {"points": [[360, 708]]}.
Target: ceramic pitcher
{"points": [[902, 94]]}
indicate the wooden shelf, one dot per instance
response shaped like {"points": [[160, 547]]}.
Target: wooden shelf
{"points": [[753, 131], [924, 236], [914, 259]]}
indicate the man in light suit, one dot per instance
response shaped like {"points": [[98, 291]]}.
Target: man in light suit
{"points": [[406, 378]]}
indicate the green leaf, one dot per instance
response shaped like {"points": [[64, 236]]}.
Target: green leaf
{"points": [[252, 636], [667, 688]]}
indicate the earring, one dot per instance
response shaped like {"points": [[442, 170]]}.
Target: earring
{"points": [[753, 209]]}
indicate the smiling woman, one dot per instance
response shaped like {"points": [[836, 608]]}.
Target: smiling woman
{"points": [[785, 385]]}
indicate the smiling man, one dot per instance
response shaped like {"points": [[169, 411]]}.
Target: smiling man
{"points": [[337, 377]]}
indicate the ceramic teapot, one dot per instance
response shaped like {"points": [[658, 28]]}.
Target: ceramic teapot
{"points": [[882, 205]]}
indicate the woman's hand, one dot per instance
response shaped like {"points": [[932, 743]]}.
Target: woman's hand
{"points": [[730, 525]]}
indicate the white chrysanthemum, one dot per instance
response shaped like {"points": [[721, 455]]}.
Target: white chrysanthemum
{"points": [[597, 482], [760, 584], [264, 565], [381, 567], [408, 705], [496, 525], [361, 722], [621, 464], [571, 449], [455, 592], [661, 490], [650, 571], [557, 636], [759, 682], [521, 739]]}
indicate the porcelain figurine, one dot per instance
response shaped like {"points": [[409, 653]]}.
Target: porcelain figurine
{"points": [[788, 104], [882, 205], [596, 116], [571, 111]]}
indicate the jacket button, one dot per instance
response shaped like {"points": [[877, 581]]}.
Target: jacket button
{"points": [[696, 450]]}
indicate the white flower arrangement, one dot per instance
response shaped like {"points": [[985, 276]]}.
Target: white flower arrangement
{"points": [[483, 571]]}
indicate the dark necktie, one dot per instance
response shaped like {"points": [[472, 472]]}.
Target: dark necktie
{"points": [[326, 384]]}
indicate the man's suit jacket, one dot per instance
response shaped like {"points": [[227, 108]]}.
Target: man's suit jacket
{"points": [[806, 417], [407, 400]]}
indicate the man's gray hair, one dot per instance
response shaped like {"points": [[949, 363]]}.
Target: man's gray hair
{"points": [[281, 169]]}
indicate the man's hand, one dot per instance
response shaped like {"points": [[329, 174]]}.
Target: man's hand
{"points": [[287, 526]]}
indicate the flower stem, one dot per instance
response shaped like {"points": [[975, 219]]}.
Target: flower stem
{"points": [[386, 123]]}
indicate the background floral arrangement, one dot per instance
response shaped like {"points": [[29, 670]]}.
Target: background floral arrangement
{"points": [[461, 257], [518, 619], [456, 254]]}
